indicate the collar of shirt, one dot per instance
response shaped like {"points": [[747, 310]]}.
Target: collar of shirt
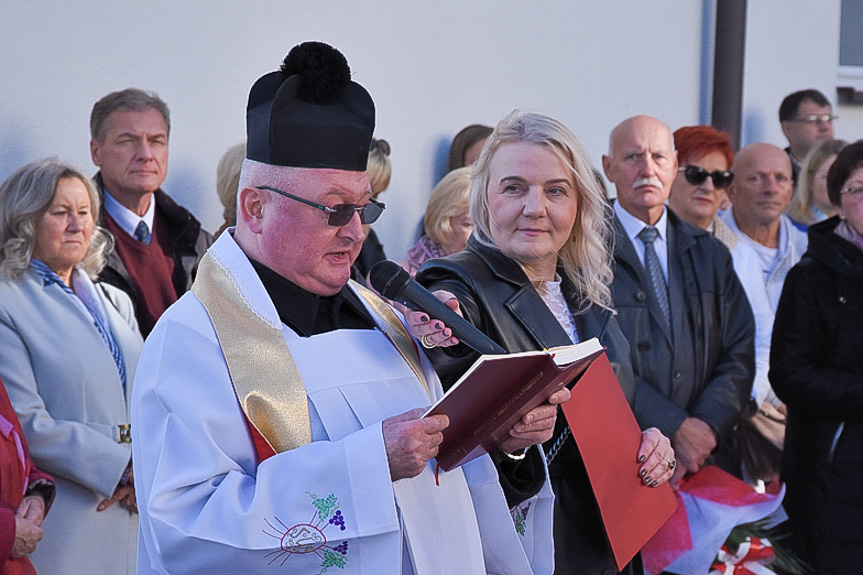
{"points": [[797, 164], [310, 314], [633, 227], [126, 218]]}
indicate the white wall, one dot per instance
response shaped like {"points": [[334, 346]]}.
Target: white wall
{"points": [[791, 45], [432, 68]]}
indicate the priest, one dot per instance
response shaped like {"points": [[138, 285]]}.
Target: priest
{"points": [[276, 407]]}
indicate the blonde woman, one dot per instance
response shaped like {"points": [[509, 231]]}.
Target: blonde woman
{"points": [[536, 274], [810, 203], [447, 222]]}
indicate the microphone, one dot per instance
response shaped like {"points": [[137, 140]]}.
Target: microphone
{"points": [[393, 282]]}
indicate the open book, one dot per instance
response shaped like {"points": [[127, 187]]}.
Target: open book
{"points": [[497, 391]]}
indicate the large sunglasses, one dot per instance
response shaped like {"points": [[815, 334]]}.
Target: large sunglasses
{"points": [[697, 176], [340, 214]]}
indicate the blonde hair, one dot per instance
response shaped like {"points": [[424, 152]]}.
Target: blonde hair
{"points": [[380, 168], [800, 207], [448, 199], [586, 257], [228, 180], [24, 197]]}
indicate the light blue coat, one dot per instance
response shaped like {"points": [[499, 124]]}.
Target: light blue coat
{"points": [[66, 389]]}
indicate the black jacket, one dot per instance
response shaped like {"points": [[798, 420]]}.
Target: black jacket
{"points": [[497, 297], [705, 367], [188, 240], [816, 368]]}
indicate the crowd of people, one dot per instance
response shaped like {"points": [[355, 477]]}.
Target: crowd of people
{"points": [[181, 403]]}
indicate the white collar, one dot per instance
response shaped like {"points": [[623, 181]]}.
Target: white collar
{"points": [[633, 225], [126, 218]]}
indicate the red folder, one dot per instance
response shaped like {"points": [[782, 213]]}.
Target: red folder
{"points": [[608, 438]]}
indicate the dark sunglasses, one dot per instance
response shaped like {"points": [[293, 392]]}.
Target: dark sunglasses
{"points": [[340, 214], [697, 176]]}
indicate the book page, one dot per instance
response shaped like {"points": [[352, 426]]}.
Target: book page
{"points": [[566, 354]]}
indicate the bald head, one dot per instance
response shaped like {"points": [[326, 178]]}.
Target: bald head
{"points": [[642, 164], [753, 153], [761, 191], [636, 124]]}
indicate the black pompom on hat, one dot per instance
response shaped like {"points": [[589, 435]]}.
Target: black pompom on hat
{"points": [[309, 114]]}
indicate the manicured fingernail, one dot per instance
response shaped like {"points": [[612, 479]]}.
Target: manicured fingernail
{"points": [[438, 325], [642, 458], [643, 472], [424, 318], [647, 480], [655, 483]]}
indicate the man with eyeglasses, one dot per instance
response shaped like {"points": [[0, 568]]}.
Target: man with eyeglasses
{"points": [[806, 117], [277, 406], [768, 246], [679, 304]]}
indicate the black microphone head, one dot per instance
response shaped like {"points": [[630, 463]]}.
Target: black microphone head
{"points": [[389, 278]]}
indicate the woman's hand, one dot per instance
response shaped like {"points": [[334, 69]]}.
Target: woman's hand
{"points": [[27, 535], [124, 494], [32, 508], [28, 525], [537, 425], [431, 332], [656, 457]]}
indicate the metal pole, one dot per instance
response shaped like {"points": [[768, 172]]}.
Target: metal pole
{"points": [[730, 44]]}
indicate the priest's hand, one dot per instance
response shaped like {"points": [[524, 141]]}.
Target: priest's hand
{"points": [[537, 425], [656, 457], [693, 443], [411, 442]]}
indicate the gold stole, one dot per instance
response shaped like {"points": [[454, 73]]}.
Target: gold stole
{"points": [[262, 370]]}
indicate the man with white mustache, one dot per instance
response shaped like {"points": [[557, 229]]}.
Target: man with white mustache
{"points": [[680, 305]]}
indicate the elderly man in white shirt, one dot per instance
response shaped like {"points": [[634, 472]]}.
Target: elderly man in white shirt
{"points": [[768, 246]]}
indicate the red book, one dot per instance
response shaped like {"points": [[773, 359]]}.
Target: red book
{"points": [[497, 391], [608, 438]]}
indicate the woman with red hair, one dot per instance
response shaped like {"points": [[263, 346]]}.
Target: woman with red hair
{"points": [[704, 157]]}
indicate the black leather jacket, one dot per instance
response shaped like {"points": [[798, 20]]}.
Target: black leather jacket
{"points": [[496, 296]]}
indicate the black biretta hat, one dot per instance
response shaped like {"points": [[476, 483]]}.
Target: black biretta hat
{"points": [[309, 114]]}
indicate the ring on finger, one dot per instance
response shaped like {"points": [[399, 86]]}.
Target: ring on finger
{"points": [[427, 343], [672, 463]]}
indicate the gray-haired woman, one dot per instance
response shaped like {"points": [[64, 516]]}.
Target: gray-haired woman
{"points": [[68, 349]]}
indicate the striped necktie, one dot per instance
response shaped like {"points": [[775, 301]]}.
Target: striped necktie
{"points": [[648, 236]]}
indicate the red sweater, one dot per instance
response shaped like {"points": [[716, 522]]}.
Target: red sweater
{"points": [[151, 269]]}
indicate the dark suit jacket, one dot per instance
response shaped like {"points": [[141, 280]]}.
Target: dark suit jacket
{"points": [[705, 366]]}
